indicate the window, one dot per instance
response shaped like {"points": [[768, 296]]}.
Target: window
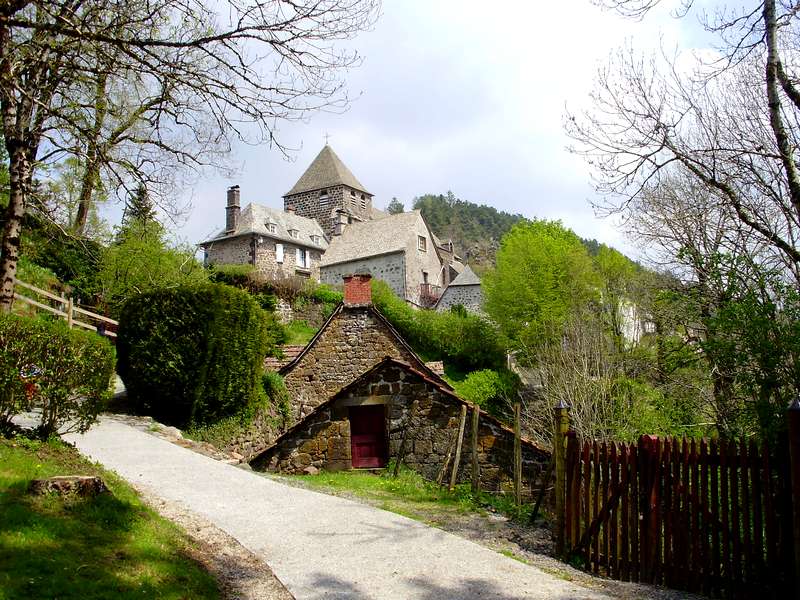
{"points": [[272, 228], [323, 194], [363, 203], [302, 258], [315, 239], [294, 233], [422, 243], [353, 193], [425, 277], [279, 253]]}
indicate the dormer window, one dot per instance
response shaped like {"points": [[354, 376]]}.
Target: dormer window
{"points": [[315, 239], [272, 228], [294, 233]]}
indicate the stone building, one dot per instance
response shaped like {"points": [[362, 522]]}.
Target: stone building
{"points": [[398, 249], [329, 193], [277, 243], [464, 290], [329, 212], [354, 339], [365, 423]]}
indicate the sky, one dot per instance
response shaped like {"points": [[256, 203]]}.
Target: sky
{"points": [[460, 96]]}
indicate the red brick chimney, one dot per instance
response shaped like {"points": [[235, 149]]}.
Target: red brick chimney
{"points": [[357, 290]]}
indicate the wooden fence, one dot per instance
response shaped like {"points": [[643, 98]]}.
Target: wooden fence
{"points": [[65, 308], [702, 516]]}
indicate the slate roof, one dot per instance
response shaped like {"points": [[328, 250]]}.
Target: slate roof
{"points": [[326, 170], [372, 238], [255, 217], [466, 277]]}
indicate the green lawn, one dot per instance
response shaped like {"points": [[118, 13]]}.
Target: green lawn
{"points": [[112, 546], [410, 495]]}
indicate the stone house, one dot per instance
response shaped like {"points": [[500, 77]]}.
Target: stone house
{"points": [[398, 249], [329, 193], [353, 340], [328, 211], [364, 424], [277, 243], [464, 290]]}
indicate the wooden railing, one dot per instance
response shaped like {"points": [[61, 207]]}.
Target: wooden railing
{"points": [[65, 308]]}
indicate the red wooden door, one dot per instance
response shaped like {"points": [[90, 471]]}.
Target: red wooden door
{"points": [[368, 436]]}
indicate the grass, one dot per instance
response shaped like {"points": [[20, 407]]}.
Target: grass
{"points": [[410, 495], [69, 547], [299, 333]]}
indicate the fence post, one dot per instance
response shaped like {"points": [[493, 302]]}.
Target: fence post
{"points": [[476, 472], [517, 456], [69, 312], [794, 456], [457, 461], [561, 426]]}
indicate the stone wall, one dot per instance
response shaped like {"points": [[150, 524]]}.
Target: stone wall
{"points": [[389, 268], [313, 206], [322, 441], [354, 341], [239, 251], [468, 296], [419, 262], [255, 437]]}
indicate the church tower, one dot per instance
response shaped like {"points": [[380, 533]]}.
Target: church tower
{"points": [[329, 192]]}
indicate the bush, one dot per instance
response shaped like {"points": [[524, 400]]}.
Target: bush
{"points": [[275, 389], [194, 354], [464, 340], [64, 372], [492, 390]]}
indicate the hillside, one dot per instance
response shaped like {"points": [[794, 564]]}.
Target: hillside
{"points": [[476, 229]]}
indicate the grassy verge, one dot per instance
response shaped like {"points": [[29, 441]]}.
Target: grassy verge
{"points": [[412, 496], [109, 546]]}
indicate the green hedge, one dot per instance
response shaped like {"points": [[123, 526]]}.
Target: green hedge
{"points": [[66, 373], [463, 340], [194, 354]]}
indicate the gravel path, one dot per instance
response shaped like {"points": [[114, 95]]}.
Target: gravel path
{"points": [[320, 546]]}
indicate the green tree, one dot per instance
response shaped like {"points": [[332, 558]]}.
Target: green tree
{"points": [[142, 261], [139, 207], [543, 276], [617, 275], [395, 207]]}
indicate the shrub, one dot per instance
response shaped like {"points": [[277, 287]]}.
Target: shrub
{"points": [[64, 372], [275, 389], [492, 390], [464, 340], [194, 354]]}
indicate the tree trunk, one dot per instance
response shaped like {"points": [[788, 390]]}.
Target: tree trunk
{"points": [[19, 185], [92, 167]]}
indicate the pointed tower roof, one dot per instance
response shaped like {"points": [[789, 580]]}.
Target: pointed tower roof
{"points": [[327, 170]]}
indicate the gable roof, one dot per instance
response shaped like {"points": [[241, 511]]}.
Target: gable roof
{"points": [[326, 170], [388, 360], [377, 314], [254, 219], [466, 277], [371, 238]]}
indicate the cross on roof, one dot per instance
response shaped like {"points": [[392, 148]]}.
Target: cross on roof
{"points": [[326, 136]]}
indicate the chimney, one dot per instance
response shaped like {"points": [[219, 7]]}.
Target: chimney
{"points": [[340, 221], [232, 210], [357, 290]]}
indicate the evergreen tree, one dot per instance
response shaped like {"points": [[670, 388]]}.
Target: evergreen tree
{"points": [[395, 207], [139, 208]]}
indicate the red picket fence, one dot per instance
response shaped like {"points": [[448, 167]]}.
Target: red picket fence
{"points": [[709, 517]]}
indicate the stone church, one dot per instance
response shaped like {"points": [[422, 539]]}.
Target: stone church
{"points": [[329, 228]]}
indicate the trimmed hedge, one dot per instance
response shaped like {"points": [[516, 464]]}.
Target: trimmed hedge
{"points": [[464, 340], [66, 373], [193, 355]]}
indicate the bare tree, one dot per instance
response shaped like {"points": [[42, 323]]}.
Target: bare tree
{"points": [[208, 74], [731, 123]]}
